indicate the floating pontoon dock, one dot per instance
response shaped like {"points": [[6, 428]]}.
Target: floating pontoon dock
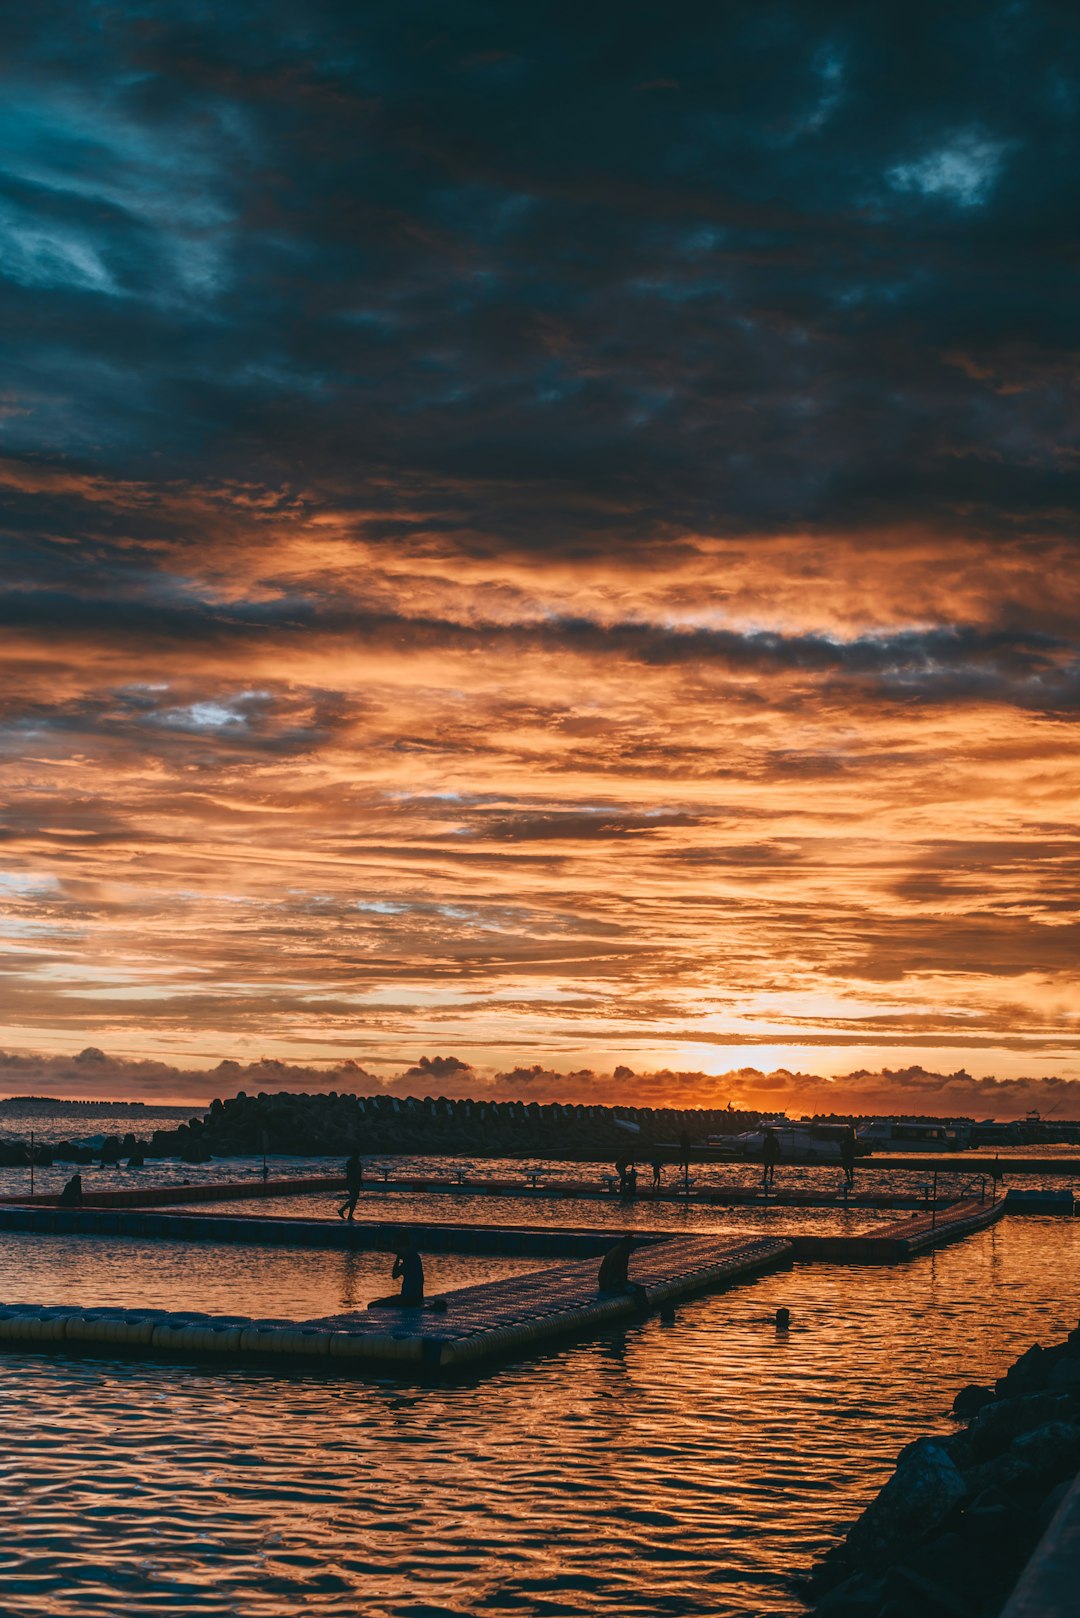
{"points": [[493, 1321], [904, 1238]]}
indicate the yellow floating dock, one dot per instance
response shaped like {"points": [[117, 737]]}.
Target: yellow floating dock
{"points": [[482, 1324]]}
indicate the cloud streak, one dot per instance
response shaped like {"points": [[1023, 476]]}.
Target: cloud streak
{"points": [[541, 535]]}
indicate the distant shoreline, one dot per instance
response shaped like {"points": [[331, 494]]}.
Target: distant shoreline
{"points": [[79, 1104]]}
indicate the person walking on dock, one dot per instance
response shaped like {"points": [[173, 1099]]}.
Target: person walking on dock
{"points": [[409, 1269], [656, 1165], [354, 1180], [770, 1156]]}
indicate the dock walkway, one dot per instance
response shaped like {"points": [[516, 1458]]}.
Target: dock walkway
{"points": [[482, 1324], [902, 1238], [594, 1190]]}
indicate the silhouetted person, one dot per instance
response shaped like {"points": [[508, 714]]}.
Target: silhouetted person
{"points": [[409, 1268], [657, 1165], [847, 1158], [622, 1169], [684, 1152], [783, 1319], [612, 1280], [71, 1195], [354, 1180], [770, 1156]]}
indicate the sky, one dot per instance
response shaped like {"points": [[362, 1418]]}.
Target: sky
{"points": [[545, 535]]}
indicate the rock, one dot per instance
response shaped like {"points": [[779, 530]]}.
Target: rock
{"points": [[920, 1497], [958, 1446], [911, 1593], [1052, 1452], [1065, 1374], [990, 1519], [830, 1570], [970, 1400], [859, 1596], [1025, 1375], [1005, 1477], [997, 1424]]}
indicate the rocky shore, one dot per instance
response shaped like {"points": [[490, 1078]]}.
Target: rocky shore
{"points": [[951, 1531], [331, 1124]]}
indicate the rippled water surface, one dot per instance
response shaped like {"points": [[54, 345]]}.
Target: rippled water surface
{"points": [[823, 1180], [684, 1469], [600, 1213], [218, 1279]]}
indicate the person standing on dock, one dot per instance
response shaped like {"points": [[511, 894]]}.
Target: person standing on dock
{"points": [[656, 1165], [354, 1180], [847, 1159], [770, 1156]]}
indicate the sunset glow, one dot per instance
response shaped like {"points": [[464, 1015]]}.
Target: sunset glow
{"points": [[503, 562]]}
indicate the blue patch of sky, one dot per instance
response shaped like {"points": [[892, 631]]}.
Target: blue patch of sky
{"points": [[82, 177], [213, 715], [963, 170], [28, 884], [37, 252]]}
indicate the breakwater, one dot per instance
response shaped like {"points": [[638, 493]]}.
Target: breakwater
{"points": [[955, 1525], [333, 1123], [444, 1125]]}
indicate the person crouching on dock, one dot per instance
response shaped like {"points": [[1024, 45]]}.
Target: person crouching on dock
{"points": [[408, 1266], [613, 1279]]}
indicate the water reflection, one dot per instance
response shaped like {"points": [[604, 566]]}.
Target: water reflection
{"points": [[684, 1469], [130, 1273]]}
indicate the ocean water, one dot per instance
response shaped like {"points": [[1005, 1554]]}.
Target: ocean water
{"points": [[218, 1279], [686, 1469], [821, 1179], [90, 1122], [608, 1213]]}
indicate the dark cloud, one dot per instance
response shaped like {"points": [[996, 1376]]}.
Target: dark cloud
{"points": [[566, 825], [625, 272], [948, 665]]}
